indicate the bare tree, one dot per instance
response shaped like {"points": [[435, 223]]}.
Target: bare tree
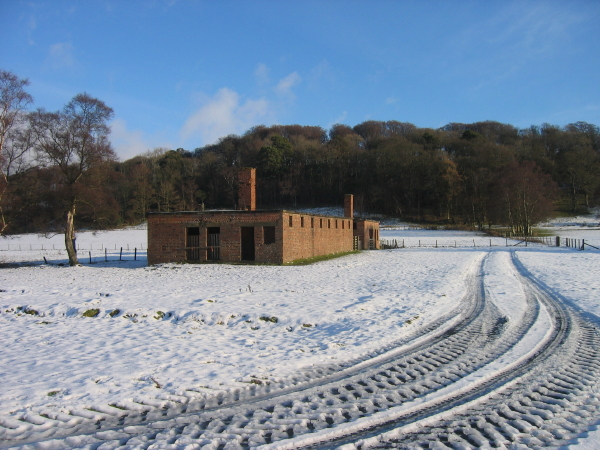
{"points": [[524, 196], [15, 139], [74, 140]]}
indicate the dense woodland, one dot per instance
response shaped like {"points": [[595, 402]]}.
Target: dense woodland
{"points": [[465, 174]]}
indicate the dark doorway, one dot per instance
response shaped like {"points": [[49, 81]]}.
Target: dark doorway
{"points": [[247, 243], [214, 243], [193, 244]]}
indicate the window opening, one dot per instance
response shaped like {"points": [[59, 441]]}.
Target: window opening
{"points": [[192, 243], [213, 238], [268, 235]]}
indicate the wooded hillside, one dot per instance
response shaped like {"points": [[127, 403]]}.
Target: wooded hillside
{"points": [[475, 174]]}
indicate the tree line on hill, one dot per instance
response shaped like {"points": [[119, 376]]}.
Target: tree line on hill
{"points": [[58, 169]]}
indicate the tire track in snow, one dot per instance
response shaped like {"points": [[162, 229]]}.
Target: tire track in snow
{"points": [[549, 402], [449, 388], [31, 429]]}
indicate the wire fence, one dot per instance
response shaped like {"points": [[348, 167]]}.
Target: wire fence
{"points": [[457, 243], [514, 241], [53, 255], [80, 247]]}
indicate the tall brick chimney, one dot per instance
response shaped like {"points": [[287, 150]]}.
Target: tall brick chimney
{"points": [[247, 189], [349, 206]]}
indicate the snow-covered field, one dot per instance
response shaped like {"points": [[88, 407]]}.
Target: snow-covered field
{"points": [[172, 329]]}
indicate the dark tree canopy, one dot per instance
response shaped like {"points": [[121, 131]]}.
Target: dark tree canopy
{"points": [[473, 174]]}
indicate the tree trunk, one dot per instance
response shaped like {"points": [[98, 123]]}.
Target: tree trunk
{"points": [[70, 236]]}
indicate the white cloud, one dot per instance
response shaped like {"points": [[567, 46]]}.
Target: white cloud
{"points": [[224, 114], [321, 74], [339, 119], [60, 56], [262, 74], [285, 85], [128, 143], [31, 26]]}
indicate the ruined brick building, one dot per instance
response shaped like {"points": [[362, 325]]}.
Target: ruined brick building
{"points": [[251, 235]]}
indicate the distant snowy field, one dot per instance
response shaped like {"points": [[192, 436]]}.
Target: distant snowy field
{"points": [[205, 327]]}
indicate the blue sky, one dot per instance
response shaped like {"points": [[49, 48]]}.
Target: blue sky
{"points": [[184, 73]]}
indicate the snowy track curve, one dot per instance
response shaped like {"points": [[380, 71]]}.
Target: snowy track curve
{"points": [[468, 381]]}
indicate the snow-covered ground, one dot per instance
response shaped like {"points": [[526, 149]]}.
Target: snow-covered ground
{"points": [[161, 331], [580, 227]]}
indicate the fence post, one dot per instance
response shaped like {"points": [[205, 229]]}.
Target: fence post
{"points": [[105, 256], [121, 254], [90, 257], [558, 241], [135, 254]]}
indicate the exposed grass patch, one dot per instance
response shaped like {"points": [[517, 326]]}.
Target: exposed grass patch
{"points": [[91, 312], [159, 315], [52, 393], [409, 321], [269, 319], [114, 405], [31, 312], [314, 259], [114, 312]]}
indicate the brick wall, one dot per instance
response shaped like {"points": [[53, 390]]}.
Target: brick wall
{"points": [[366, 230], [311, 235], [305, 236], [167, 235]]}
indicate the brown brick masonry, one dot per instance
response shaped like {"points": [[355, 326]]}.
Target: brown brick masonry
{"points": [[297, 236]]}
